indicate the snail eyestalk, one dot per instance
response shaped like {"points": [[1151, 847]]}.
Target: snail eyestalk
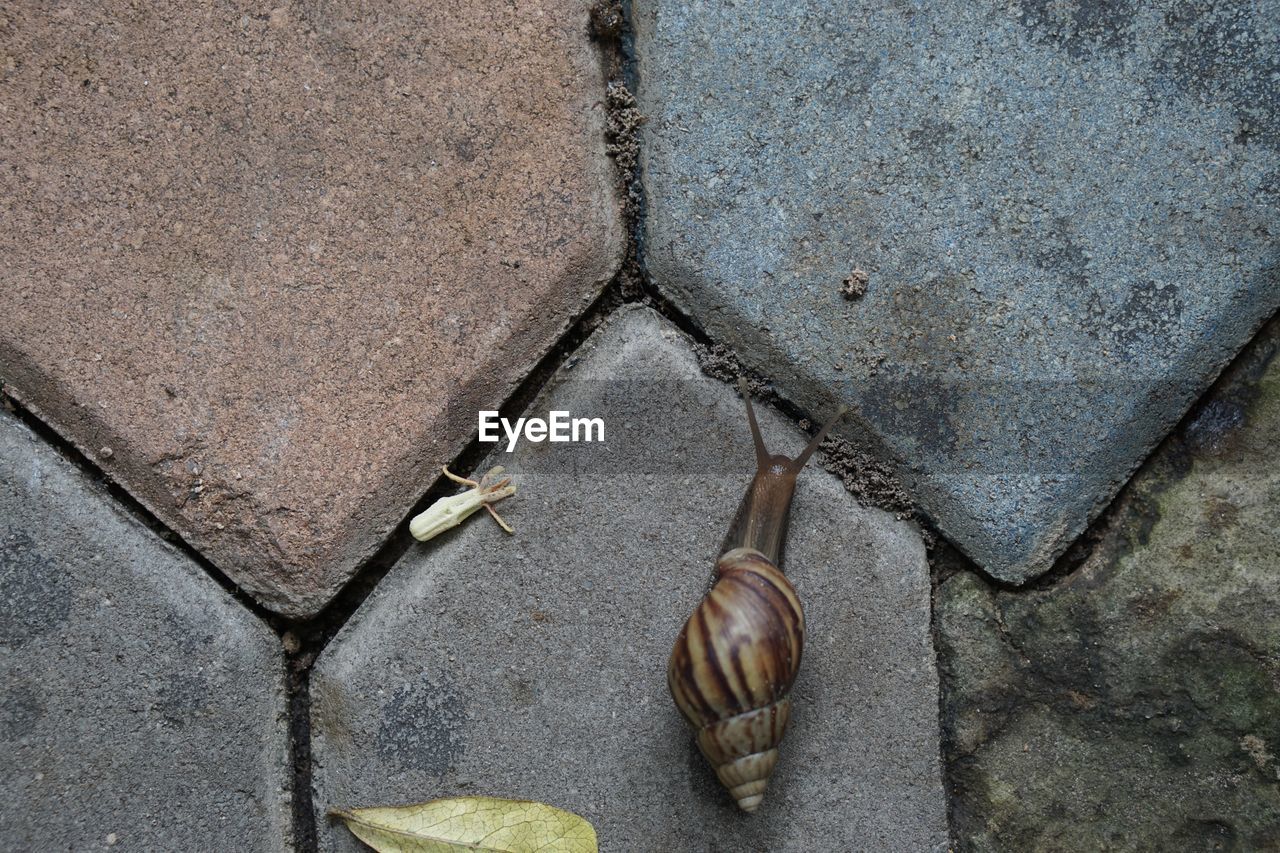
{"points": [[799, 462], [761, 520]]}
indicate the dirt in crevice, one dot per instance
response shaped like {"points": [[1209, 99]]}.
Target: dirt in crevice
{"points": [[622, 129], [611, 29], [869, 479], [720, 362], [623, 133], [297, 675], [608, 20]]}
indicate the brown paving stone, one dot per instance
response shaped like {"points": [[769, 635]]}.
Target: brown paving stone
{"points": [[263, 264]]}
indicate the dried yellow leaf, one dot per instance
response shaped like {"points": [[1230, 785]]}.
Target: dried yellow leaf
{"points": [[471, 823]]}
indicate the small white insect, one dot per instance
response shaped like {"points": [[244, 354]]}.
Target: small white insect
{"points": [[449, 512]]}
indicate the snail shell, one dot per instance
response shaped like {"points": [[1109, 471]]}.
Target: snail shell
{"points": [[732, 667], [733, 664]]}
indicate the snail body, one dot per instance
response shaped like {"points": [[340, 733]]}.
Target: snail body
{"points": [[736, 657]]}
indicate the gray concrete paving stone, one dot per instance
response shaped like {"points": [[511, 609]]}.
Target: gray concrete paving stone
{"points": [[141, 708], [534, 666], [1066, 213]]}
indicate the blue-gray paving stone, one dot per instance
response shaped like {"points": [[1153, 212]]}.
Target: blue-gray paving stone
{"points": [[1066, 212], [533, 666], [141, 707]]}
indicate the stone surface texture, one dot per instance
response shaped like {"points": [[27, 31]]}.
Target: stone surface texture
{"points": [[141, 708], [534, 666], [1066, 213], [1135, 705], [263, 264]]}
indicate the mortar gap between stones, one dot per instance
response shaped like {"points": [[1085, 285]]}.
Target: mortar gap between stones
{"points": [[1082, 548], [121, 497], [297, 675], [611, 29]]}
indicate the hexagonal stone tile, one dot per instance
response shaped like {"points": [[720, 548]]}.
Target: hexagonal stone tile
{"points": [[1136, 704], [534, 666], [141, 708], [264, 264], [1065, 214]]}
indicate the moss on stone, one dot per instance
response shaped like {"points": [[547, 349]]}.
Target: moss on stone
{"points": [[1135, 704]]}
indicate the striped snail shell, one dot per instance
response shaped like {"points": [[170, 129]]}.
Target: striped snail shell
{"points": [[732, 667], [734, 662]]}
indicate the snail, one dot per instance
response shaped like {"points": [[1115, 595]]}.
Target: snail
{"points": [[735, 659]]}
